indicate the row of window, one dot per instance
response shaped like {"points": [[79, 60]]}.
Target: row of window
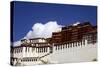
{"points": [[42, 44], [29, 60], [32, 41], [92, 39], [39, 50], [70, 45], [14, 60], [27, 49], [18, 50]]}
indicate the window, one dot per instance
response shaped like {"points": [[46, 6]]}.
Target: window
{"points": [[40, 50], [21, 49], [15, 50], [81, 43], [32, 59], [56, 47], [66, 45], [32, 49], [26, 49], [21, 60], [18, 50], [90, 39], [73, 44], [63, 46], [95, 38], [78, 43], [46, 49], [36, 59], [25, 60], [70, 44], [84, 42]]}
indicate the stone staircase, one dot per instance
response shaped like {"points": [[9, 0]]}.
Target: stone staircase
{"points": [[44, 61]]}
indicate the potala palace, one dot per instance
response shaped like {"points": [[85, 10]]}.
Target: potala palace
{"points": [[74, 43]]}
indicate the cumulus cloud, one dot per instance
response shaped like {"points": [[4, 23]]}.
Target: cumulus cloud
{"points": [[42, 30]]}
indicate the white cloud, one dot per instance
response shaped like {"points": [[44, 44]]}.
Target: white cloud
{"points": [[42, 30]]}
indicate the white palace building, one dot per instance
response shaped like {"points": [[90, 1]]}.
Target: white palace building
{"points": [[75, 43]]}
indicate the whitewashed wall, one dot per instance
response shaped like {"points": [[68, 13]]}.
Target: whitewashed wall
{"points": [[87, 52], [84, 53]]}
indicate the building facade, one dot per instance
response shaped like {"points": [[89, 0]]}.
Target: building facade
{"points": [[74, 43]]}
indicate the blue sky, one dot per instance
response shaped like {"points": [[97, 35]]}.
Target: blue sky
{"points": [[26, 14]]}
